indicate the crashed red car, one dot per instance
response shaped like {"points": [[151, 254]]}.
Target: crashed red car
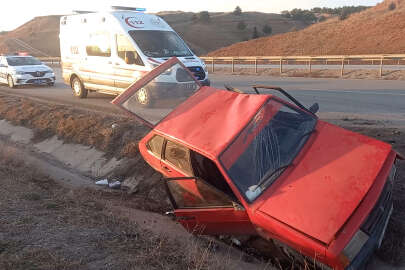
{"points": [[257, 164]]}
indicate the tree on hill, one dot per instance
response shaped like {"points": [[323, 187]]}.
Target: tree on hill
{"points": [[267, 29], [204, 16], [237, 11], [344, 14], [241, 25], [392, 6], [255, 33]]}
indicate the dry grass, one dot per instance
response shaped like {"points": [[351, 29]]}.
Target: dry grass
{"points": [[374, 31], [45, 226]]}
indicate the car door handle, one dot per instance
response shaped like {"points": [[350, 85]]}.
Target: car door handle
{"points": [[167, 168], [117, 64]]}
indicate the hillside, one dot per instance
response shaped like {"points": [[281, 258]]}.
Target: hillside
{"points": [[222, 29], [374, 31], [42, 33]]}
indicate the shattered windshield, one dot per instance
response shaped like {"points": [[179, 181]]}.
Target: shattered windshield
{"points": [[267, 146], [158, 44], [23, 61]]}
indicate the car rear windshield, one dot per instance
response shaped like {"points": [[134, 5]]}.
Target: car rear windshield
{"points": [[23, 61], [266, 146], [158, 44]]}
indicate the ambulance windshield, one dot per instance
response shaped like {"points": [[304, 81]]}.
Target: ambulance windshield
{"points": [[159, 44]]}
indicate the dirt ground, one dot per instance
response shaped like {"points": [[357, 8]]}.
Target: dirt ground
{"points": [[22, 193], [45, 226], [318, 73]]}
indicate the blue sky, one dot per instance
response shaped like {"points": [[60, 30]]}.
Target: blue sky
{"points": [[15, 12]]}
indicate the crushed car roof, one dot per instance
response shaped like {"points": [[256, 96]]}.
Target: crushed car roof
{"points": [[210, 119]]}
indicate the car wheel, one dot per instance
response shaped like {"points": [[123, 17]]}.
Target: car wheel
{"points": [[144, 98], [10, 82], [78, 88], [51, 84]]}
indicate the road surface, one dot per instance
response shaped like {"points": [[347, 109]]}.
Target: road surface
{"points": [[369, 99]]}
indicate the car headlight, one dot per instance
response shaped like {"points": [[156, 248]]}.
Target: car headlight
{"points": [[205, 67], [49, 71], [353, 248]]}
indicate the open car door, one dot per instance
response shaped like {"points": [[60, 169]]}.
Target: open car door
{"points": [[159, 92], [203, 209]]}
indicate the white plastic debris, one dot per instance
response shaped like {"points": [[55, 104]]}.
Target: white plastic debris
{"points": [[236, 242], [115, 185], [103, 182]]}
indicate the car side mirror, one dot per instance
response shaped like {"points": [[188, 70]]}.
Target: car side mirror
{"points": [[129, 58], [314, 108]]}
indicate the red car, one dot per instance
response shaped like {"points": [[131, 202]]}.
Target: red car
{"points": [[256, 164]]}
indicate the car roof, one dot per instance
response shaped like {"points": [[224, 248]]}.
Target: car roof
{"points": [[209, 120]]}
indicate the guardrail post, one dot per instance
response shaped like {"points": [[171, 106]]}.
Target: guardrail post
{"points": [[255, 65], [381, 66], [310, 65], [233, 65], [281, 66], [343, 67], [213, 65]]}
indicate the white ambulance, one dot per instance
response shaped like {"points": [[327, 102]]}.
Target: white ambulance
{"points": [[108, 51]]}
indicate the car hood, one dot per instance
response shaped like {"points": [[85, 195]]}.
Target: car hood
{"points": [[321, 191], [32, 68]]}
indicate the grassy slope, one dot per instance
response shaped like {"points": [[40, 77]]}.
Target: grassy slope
{"points": [[374, 31]]}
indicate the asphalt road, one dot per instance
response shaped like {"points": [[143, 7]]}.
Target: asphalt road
{"points": [[370, 99]]}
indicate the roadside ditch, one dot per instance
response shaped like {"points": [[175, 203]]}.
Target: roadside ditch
{"points": [[81, 146]]}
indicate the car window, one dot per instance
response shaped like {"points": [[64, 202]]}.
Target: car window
{"points": [[99, 44], [206, 169], [155, 145], [178, 156], [126, 50], [195, 193]]}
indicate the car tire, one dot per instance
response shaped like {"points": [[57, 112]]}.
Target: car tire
{"points": [[51, 84], [10, 81], [144, 97], [78, 88]]}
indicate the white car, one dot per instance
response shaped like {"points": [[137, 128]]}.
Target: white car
{"points": [[23, 70]]}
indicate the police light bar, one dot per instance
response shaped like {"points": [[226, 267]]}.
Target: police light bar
{"points": [[128, 8]]}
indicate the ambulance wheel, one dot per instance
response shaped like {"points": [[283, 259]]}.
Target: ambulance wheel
{"points": [[78, 88], [10, 82], [144, 97]]}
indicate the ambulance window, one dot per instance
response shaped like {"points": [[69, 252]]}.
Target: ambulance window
{"points": [[178, 156], [99, 44], [126, 50], [155, 145]]}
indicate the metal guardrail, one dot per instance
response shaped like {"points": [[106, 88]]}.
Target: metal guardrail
{"points": [[341, 60], [50, 60]]}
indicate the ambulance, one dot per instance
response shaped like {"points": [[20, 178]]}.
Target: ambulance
{"points": [[106, 52]]}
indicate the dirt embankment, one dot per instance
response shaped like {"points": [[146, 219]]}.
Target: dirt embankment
{"points": [[378, 30], [116, 136], [45, 226]]}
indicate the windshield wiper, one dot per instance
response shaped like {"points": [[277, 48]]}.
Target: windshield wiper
{"points": [[269, 175]]}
